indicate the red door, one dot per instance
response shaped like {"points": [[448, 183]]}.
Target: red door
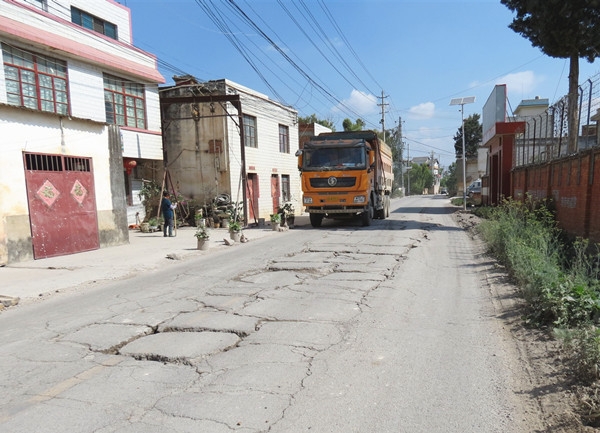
{"points": [[275, 192], [62, 204], [252, 196]]}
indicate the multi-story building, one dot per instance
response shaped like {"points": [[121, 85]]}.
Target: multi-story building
{"points": [[80, 126], [204, 125]]}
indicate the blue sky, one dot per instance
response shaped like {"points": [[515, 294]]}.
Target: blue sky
{"points": [[420, 53]]}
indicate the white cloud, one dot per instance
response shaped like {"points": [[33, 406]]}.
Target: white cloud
{"points": [[521, 82], [359, 102], [425, 110]]}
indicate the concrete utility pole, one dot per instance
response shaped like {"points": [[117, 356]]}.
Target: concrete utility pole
{"points": [[401, 145], [462, 102], [407, 168], [383, 105]]}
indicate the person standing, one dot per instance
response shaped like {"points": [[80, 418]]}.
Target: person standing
{"points": [[167, 210]]}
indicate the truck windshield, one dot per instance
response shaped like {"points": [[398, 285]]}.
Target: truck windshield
{"points": [[334, 158]]}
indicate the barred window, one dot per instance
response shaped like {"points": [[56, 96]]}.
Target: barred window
{"points": [[250, 131], [284, 139], [124, 102], [35, 81], [91, 22]]}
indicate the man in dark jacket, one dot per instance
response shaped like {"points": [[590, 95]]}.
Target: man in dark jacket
{"points": [[167, 210]]}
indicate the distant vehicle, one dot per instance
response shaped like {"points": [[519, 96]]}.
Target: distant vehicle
{"points": [[474, 188], [444, 191]]}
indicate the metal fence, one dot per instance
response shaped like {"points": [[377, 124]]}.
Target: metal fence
{"points": [[546, 135]]}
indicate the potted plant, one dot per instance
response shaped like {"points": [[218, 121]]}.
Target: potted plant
{"points": [[202, 236], [287, 214], [153, 223], [275, 221], [235, 230]]}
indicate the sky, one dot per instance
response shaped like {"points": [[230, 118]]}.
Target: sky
{"points": [[334, 58]]}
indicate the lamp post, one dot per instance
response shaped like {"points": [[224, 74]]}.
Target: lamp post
{"points": [[462, 102]]}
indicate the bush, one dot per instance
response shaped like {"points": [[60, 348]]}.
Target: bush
{"points": [[558, 280]]}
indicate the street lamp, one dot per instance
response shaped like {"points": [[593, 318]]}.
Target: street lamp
{"points": [[462, 102]]}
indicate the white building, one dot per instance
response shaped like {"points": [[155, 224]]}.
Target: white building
{"points": [[77, 101], [204, 152]]}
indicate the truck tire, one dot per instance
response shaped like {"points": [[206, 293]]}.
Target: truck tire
{"points": [[367, 217], [316, 219]]}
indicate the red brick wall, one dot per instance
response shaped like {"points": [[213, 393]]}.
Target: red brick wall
{"points": [[574, 185]]}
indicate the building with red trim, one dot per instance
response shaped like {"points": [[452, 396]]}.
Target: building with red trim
{"points": [[80, 124]]}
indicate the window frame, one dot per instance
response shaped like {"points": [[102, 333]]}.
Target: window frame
{"points": [[250, 130], [284, 138], [286, 190], [42, 4], [94, 23], [122, 90], [35, 81]]}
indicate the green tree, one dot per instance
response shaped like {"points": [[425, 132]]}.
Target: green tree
{"points": [[313, 119], [563, 29], [420, 178], [353, 126], [473, 136], [450, 180]]}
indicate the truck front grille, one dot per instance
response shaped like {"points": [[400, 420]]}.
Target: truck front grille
{"points": [[341, 182]]}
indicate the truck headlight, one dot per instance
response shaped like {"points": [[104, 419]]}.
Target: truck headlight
{"points": [[307, 200], [360, 199]]}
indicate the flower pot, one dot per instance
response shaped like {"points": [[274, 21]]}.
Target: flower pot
{"points": [[216, 225], [235, 236], [145, 227], [203, 244], [225, 224], [275, 226]]}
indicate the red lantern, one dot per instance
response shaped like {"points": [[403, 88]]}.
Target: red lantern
{"points": [[128, 164]]}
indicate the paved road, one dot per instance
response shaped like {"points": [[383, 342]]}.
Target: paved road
{"points": [[341, 329]]}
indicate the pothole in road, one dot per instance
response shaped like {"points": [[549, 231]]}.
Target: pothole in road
{"points": [[180, 347]]}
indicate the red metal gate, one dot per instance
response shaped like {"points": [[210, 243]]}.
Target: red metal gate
{"points": [[62, 204], [275, 192]]}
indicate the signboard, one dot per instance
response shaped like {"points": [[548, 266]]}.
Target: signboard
{"points": [[494, 111]]}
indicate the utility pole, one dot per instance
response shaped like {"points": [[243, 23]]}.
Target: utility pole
{"points": [[407, 168], [383, 105], [401, 145]]}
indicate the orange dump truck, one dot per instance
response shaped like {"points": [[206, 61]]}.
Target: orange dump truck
{"points": [[346, 175]]}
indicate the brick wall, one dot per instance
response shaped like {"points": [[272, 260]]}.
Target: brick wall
{"points": [[574, 185]]}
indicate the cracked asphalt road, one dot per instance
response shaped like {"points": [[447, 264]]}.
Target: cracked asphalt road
{"points": [[341, 329]]}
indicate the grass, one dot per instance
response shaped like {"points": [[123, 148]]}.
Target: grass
{"points": [[558, 279]]}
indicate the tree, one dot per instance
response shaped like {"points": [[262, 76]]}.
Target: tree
{"points": [[313, 119], [420, 178], [473, 136], [451, 182], [350, 126], [563, 29]]}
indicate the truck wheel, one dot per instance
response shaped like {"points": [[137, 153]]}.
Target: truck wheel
{"points": [[316, 219], [367, 216]]}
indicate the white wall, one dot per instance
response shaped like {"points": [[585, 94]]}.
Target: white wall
{"points": [[266, 158]]}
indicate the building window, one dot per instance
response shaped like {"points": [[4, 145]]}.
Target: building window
{"points": [[285, 188], [250, 131], [124, 102], [284, 139], [42, 4], [91, 22], [35, 81]]}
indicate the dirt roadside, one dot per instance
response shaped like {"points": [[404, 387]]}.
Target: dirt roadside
{"points": [[541, 374]]}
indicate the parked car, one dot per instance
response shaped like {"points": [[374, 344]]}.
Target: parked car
{"points": [[444, 191], [474, 188]]}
